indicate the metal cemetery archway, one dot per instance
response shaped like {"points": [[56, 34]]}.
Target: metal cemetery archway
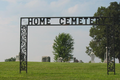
{"points": [[65, 21]]}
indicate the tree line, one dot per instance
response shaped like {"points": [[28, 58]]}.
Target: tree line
{"points": [[10, 59]]}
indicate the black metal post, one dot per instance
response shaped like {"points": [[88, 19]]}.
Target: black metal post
{"points": [[23, 46]]}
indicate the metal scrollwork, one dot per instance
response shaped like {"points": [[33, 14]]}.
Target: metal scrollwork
{"points": [[23, 47], [111, 66]]}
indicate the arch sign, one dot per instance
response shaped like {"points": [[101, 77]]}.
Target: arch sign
{"points": [[65, 21]]}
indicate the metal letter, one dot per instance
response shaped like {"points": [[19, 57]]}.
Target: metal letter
{"points": [[97, 20], [73, 20], [80, 21], [60, 21], [86, 20], [30, 21], [36, 21], [42, 20], [67, 21], [91, 21], [103, 19], [48, 21]]}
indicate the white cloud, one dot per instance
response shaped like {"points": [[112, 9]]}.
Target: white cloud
{"points": [[80, 8], [59, 3], [73, 9], [36, 5], [11, 1], [4, 21]]}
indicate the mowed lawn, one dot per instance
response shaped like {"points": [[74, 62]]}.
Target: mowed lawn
{"points": [[58, 71]]}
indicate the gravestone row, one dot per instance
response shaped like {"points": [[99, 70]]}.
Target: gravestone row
{"points": [[47, 59]]}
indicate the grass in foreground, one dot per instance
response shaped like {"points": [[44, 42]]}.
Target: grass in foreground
{"points": [[58, 71]]}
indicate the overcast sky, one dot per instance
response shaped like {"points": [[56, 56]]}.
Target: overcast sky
{"points": [[40, 39]]}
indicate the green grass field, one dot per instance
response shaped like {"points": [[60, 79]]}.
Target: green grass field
{"points": [[58, 71]]}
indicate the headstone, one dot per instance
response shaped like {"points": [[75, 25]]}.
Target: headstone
{"points": [[74, 59], [59, 59], [105, 58], [80, 61], [17, 58], [92, 57], [45, 59]]}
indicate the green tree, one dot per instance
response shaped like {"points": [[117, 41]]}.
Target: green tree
{"points": [[63, 47], [10, 59], [98, 33]]}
